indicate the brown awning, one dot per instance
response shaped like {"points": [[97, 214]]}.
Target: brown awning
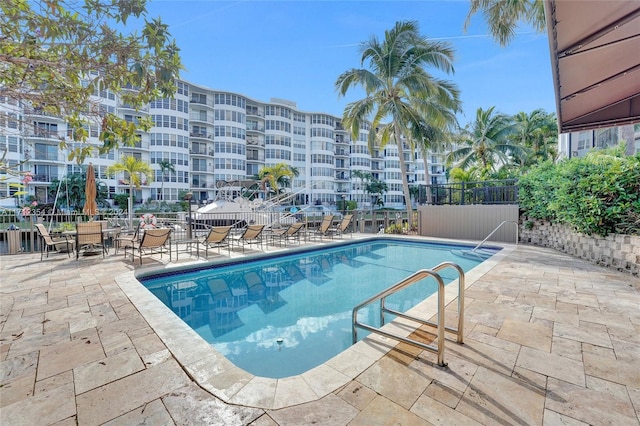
{"points": [[595, 59]]}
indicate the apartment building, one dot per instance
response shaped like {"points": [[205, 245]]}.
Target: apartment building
{"points": [[212, 137], [577, 144]]}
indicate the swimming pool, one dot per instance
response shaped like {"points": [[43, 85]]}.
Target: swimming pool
{"points": [[280, 316]]}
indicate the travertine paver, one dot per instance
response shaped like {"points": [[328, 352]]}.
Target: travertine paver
{"points": [[549, 340], [328, 411]]}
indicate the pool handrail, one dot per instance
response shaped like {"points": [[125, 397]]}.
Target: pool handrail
{"points": [[439, 325], [461, 285]]}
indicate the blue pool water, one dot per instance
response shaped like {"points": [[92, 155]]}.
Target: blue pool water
{"points": [[281, 316]]}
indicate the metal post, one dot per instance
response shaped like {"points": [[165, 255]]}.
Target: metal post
{"points": [[188, 196]]}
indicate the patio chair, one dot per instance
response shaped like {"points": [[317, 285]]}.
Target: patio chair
{"points": [[127, 240], [90, 238], [152, 241], [324, 227], [47, 242], [217, 237], [290, 233], [251, 235], [342, 226]]}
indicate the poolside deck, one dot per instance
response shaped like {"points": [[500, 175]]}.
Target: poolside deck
{"points": [[549, 339]]}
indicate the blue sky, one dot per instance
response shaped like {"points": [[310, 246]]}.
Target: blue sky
{"points": [[295, 50]]}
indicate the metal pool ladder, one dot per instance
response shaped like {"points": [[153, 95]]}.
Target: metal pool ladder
{"points": [[439, 325]]}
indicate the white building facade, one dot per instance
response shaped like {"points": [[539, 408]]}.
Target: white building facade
{"points": [[211, 137]]}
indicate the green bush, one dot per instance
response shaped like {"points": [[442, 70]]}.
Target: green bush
{"points": [[596, 194]]}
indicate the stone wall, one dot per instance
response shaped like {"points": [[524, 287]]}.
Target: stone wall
{"points": [[620, 252]]}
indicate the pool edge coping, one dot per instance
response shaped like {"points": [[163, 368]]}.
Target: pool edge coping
{"points": [[214, 373]]}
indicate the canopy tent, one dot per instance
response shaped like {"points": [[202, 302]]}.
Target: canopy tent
{"points": [[595, 59]]}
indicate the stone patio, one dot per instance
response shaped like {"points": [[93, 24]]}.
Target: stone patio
{"points": [[549, 339]]}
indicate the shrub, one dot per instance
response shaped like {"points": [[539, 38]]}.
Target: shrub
{"points": [[596, 194]]}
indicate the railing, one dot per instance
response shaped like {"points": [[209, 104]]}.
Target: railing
{"points": [[494, 231], [485, 192], [439, 325]]}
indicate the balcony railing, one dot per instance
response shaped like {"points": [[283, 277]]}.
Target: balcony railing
{"points": [[204, 135], [255, 112], [255, 128], [201, 102], [44, 134], [43, 178]]}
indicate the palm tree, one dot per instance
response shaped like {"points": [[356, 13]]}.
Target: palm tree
{"points": [[538, 132], [503, 16], [133, 169], [434, 139], [398, 88], [363, 176], [486, 143], [276, 176], [166, 166], [376, 188]]}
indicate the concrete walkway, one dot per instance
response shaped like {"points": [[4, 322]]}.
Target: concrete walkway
{"points": [[549, 339]]}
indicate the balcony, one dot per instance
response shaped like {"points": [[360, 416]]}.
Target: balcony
{"points": [[255, 128], [43, 134], [39, 112], [43, 178], [255, 142], [255, 112], [342, 153], [199, 117], [203, 135], [143, 108], [200, 101]]}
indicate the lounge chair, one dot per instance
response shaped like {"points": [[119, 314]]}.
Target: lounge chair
{"points": [[290, 233], [251, 235], [342, 226], [152, 241], [217, 237], [47, 242], [90, 238], [324, 227]]}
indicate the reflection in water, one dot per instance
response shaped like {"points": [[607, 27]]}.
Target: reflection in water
{"points": [[216, 299]]}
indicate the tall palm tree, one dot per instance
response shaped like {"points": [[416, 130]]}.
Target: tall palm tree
{"points": [[486, 143], [503, 16], [166, 166], [398, 88], [538, 132], [133, 170]]}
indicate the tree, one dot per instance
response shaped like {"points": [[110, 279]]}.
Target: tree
{"points": [[56, 55], [398, 88], [434, 139], [376, 188], [486, 143], [538, 132], [133, 170], [364, 176], [70, 191], [166, 166], [503, 16], [276, 175]]}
